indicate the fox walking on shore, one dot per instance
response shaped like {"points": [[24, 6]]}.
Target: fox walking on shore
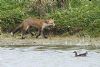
{"points": [[28, 23]]}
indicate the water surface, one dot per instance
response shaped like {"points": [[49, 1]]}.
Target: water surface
{"points": [[47, 56]]}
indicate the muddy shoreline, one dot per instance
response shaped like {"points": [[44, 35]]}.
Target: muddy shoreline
{"points": [[51, 41]]}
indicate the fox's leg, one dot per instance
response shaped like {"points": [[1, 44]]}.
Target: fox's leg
{"points": [[43, 33], [24, 32], [16, 30], [39, 33], [29, 31]]}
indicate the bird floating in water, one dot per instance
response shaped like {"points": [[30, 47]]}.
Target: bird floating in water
{"points": [[80, 55]]}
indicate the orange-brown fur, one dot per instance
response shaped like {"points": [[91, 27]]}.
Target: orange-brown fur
{"points": [[40, 24]]}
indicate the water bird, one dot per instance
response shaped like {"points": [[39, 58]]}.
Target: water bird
{"points": [[80, 55]]}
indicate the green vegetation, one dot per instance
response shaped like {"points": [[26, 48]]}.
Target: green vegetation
{"points": [[71, 16]]}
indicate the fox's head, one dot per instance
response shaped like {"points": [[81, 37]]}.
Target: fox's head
{"points": [[50, 22]]}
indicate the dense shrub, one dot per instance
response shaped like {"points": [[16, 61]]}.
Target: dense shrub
{"points": [[81, 15], [11, 13]]}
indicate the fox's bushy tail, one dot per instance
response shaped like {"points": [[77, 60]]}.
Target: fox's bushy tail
{"points": [[16, 30]]}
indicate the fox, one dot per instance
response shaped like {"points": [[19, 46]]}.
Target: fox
{"points": [[30, 22]]}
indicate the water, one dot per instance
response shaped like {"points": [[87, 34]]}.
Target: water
{"points": [[47, 56]]}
